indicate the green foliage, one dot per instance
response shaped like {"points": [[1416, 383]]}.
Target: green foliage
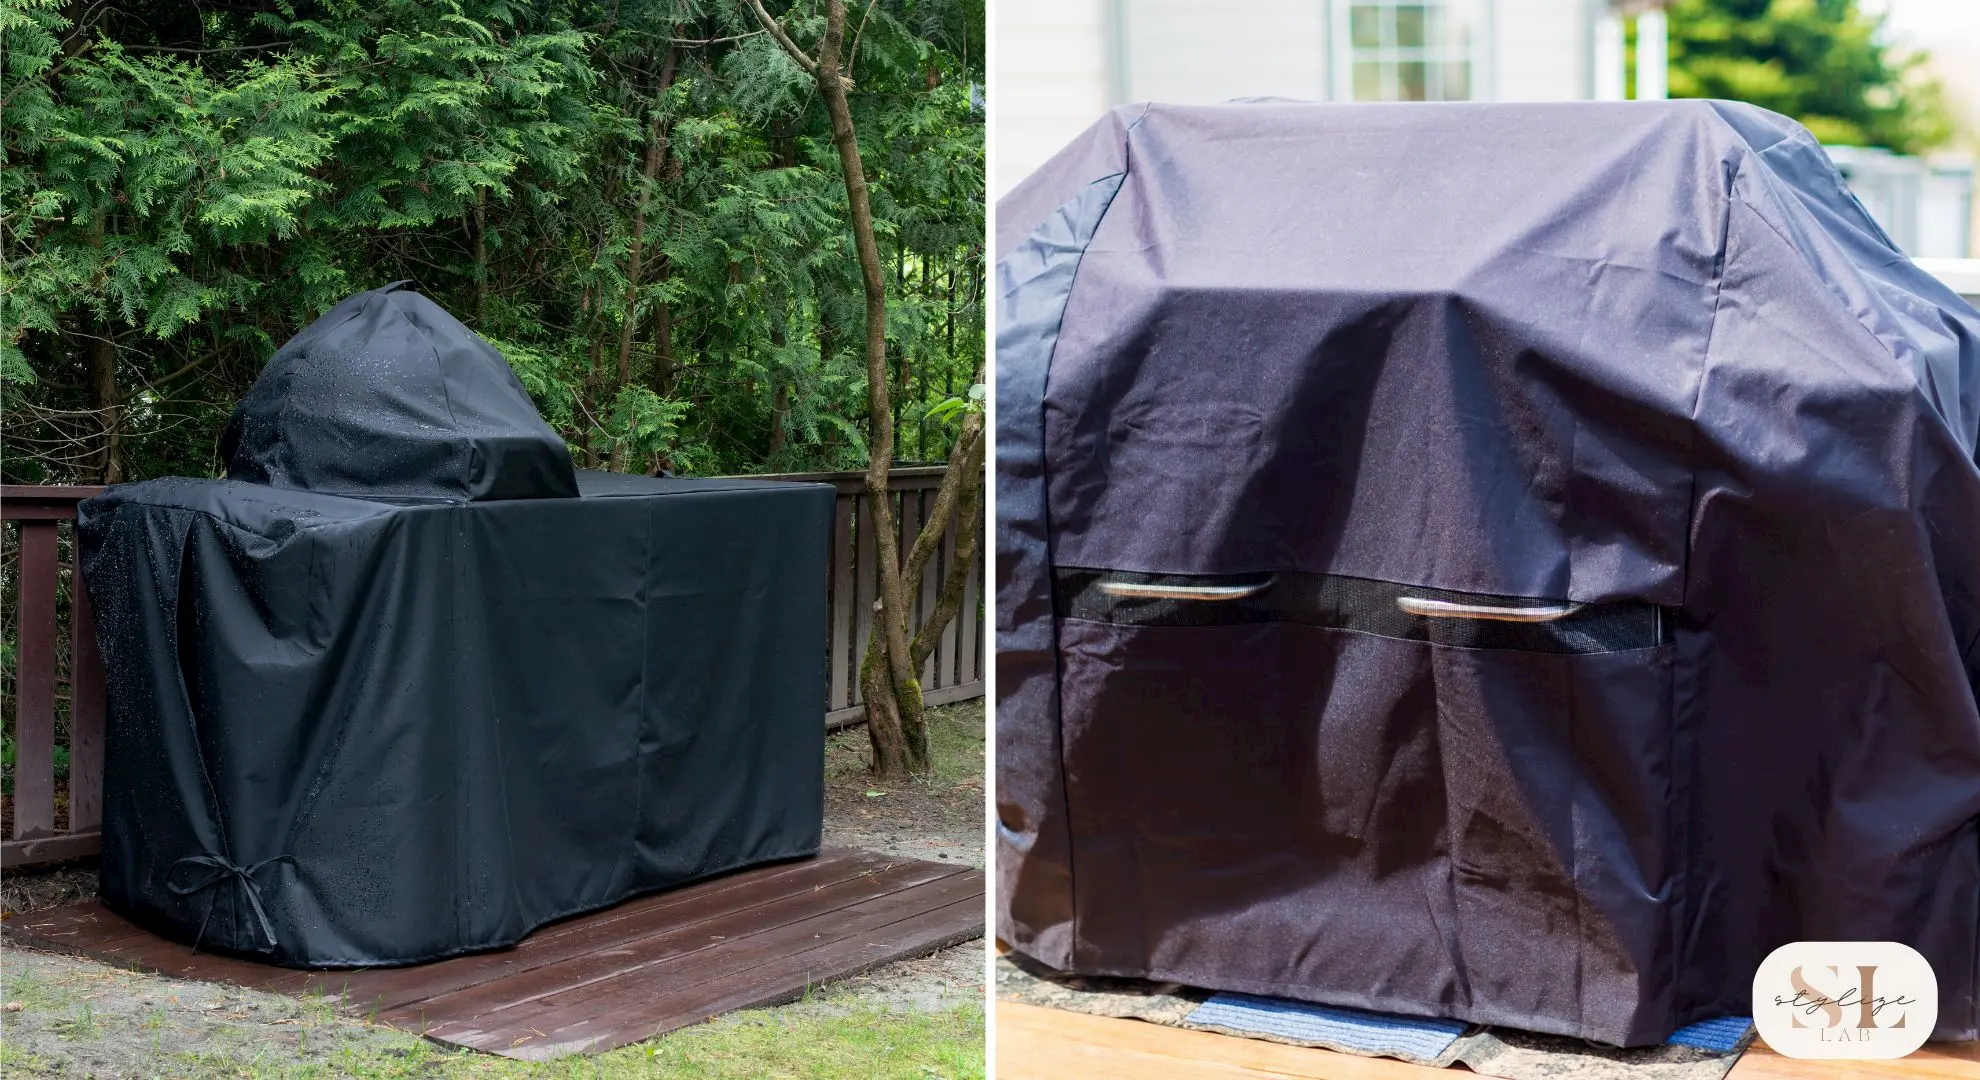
{"points": [[954, 407], [1821, 62], [184, 187]]}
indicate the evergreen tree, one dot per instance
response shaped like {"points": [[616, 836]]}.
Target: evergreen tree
{"points": [[638, 201], [1822, 62]]}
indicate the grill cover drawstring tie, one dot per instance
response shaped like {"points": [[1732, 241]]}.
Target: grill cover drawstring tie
{"points": [[219, 868]]}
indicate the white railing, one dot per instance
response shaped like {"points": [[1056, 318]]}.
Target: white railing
{"points": [[1962, 274]]}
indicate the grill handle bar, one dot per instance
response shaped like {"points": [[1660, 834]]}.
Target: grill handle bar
{"points": [[1184, 592], [1445, 609]]}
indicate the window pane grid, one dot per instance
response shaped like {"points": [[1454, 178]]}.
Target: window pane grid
{"points": [[1409, 50]]}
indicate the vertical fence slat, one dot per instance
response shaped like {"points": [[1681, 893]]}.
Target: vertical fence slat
{"points": [[869, 580], [842, 602], [971, 666], [945, 649], [34, 684], [85, 708]]}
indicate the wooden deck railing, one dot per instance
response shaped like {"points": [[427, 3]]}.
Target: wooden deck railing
{"points": [[954, 670], [42, 578], [60, 689]]}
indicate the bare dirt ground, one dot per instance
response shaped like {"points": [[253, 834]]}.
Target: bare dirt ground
{"points": [[79, 1018], [939, 818], [63, 1016], [22, 891]]}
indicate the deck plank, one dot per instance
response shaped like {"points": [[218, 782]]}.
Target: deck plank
{"points": [[630, 954], [1035, 1042], [387, 988], [1934, 1061], [758, 970], [86, 923], [756, 937]]}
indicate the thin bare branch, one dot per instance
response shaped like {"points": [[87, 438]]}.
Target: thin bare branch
{"points": [[215, 50], [852, 55], [777, 31], [662, 38]]}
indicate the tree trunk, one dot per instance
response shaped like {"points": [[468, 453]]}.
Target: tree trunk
{"points": [[589, 414], [77, 38], [656, 152], [965, 469], [661, 380], [961, 485], [892, 718], [480, 261], [108, 403], [100, 369], [888, 672], [948, 602], [780, 404]]}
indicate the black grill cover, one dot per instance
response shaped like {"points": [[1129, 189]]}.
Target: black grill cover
{"points": [[388, 395], [1510, 562], [348, 731]]}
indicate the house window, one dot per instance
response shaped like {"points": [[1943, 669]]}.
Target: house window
{"points": [[1406, 50]]}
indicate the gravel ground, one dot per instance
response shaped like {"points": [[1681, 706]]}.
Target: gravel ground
{"points": [[80, 1018], [63, 1016], [940, 817]]}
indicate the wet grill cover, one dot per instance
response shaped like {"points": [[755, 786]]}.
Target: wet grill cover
{"points": [[1518, 563], [388, 395], [356, 731]]}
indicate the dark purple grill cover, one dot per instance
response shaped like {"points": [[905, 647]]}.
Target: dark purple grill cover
{"points": [[1510, 562]]}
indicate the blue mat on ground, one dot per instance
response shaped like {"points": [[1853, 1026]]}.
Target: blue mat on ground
{"points": [[1721, 1035], [1368, 1032], [1405, 1036]]}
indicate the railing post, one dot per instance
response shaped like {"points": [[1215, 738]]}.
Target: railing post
{"points": [[34, 685], [86, 705], [840, 696]]}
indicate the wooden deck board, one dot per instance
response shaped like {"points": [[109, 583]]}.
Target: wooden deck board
{"points": [[390, 988], [663, 997], [1034, 1043], [676, 948], [647, 966]]}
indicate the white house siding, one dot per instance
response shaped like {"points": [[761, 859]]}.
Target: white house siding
{"points": [[1189, 52], [1049, 81], [1541, 49]]}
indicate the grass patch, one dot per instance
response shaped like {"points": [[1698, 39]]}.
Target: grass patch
{"points": [[955, 748], [33, 993], [78, 1026], [955, 744], [17, 1062], [282, 1057], [860, 1044]]}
